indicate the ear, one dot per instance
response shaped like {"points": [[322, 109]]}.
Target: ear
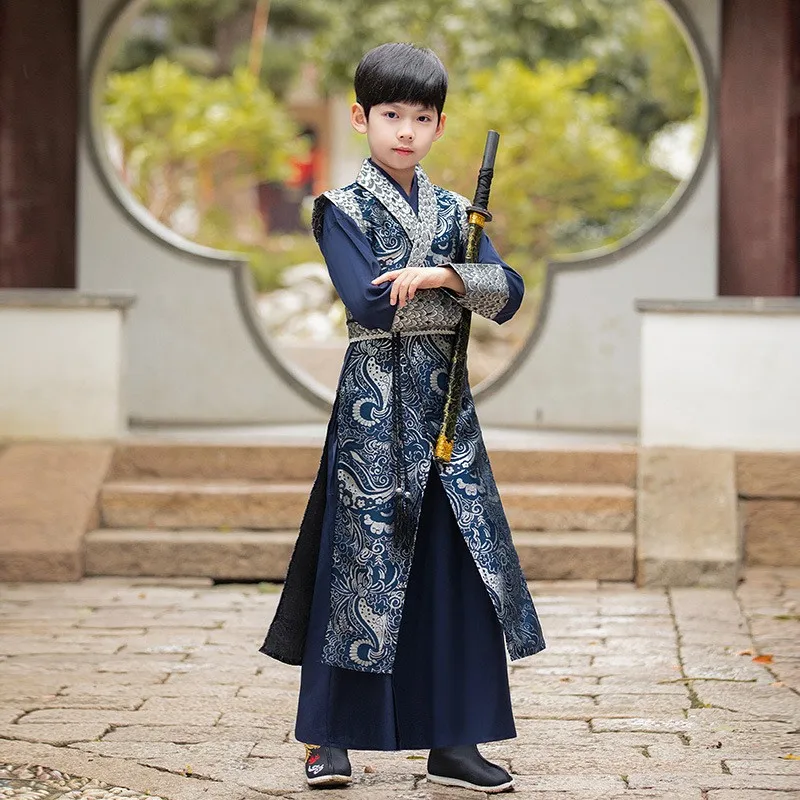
{"points": [[358, 119], [440, 127]]}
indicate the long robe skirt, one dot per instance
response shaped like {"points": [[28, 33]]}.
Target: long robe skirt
{"points": [[449, 685]]}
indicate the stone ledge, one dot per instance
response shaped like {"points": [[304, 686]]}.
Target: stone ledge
{"points": [[722, 305], [62, 298]]}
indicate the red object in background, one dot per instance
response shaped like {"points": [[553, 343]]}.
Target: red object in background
{"points": [[305, 171]]}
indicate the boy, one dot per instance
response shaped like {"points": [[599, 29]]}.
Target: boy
{"points": [[404, 580]]}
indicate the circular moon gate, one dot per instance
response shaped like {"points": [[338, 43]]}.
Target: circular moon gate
{"points": [[111, 35]]}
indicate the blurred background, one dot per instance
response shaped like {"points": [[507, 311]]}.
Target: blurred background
{"points": [[224, 118]]}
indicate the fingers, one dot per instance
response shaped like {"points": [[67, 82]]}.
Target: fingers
{"points": [[414, 285], [405, 283], [405, 287], [386, 276]]}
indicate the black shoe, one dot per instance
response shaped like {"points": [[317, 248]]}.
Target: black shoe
{"points": [[327, 766], [464, 766]]}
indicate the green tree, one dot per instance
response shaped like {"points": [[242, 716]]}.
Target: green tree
{"points": [[566, 177], [185, 138]]}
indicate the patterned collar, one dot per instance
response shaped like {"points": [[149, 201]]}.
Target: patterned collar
{"points": [[420, 228]]}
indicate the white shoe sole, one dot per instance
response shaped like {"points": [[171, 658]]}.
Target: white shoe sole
{"points": [[501, 787], [329, 780]]}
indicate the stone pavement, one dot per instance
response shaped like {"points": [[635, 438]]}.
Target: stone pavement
{"points": [[685, 694]]}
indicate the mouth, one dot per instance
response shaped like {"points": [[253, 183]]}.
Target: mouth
{"points": [[403, 151]]}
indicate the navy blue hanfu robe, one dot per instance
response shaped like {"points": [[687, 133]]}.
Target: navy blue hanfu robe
{"points": [[403, 643]]}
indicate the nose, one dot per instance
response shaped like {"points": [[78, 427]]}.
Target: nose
{"points": [[406, 131]]}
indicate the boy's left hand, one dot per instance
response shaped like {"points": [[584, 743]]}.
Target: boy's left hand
{"points": [[405, 282]]}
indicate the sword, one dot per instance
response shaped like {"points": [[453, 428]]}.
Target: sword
{"points": [[477, 216]]}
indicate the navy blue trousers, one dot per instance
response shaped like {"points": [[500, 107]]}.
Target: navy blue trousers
{"points": [[449, 685]]}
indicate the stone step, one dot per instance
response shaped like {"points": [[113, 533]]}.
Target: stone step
{"points": [[277, 506], [771, 532], [576, 555], [230, 555], [251, 555], [296, 462]]}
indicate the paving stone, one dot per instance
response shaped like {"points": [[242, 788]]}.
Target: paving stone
{"points": [[196, 672], [593, 760], [623, 684], [745, 794], [263, 719], [154, 717], [569, 782], [9, 714], [274, 778], [140, 690], [197, 734], [744, 745], [533, 731], [763, 766], [608, 695], [110, 702], [652, 705], [755, 700], [120, 772], [782, 783], [654, 725], [30, 645], [725, 720], [211, 760], [58, 733]]}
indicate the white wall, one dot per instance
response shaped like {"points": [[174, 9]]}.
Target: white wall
{"points": [[61, 373], [193, 359], [583, 371], [191, 355], [721, 380]]}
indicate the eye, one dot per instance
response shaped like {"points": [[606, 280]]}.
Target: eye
{"points": [[424, 118], [390, 114]]}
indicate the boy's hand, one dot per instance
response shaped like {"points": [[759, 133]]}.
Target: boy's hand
{"points": [[405, 282]]}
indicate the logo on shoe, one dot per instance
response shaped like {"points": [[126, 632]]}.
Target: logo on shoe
{"points": [[314, 759], [316, 768]]}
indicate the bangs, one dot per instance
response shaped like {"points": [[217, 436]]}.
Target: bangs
{"points": [[401, 73]]}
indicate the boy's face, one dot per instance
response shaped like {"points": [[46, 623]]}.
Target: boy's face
{"points": [[399, 134]]}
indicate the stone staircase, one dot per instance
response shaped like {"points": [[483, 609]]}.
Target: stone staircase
{"points": [[231, 511]]}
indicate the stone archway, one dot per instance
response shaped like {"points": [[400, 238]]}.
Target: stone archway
{"points": [[493, 395]]}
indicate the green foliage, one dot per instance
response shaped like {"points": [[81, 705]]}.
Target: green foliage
{"points": [[566, 177], [183, 135], [580, 90], [211, 37], [642, 62]]}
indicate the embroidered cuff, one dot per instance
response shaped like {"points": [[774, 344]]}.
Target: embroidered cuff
{"points": [[428, 311], [487, 288]]}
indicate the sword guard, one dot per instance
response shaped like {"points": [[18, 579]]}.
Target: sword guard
{"points": [[486, 214]]}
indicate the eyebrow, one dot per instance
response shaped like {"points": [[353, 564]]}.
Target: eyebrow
{"points": [[414, 108]]}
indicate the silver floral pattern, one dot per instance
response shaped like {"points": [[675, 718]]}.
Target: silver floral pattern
{"points": [[486, 288], [370, 569]]}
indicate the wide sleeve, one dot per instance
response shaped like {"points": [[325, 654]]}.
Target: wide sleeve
{"points": [[352, 267], [493, 289]]}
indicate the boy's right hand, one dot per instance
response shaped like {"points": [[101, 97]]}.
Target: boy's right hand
{"points": [[406, 282]]}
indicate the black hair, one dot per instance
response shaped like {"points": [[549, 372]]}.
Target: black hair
{"points": [[400, 73]]}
